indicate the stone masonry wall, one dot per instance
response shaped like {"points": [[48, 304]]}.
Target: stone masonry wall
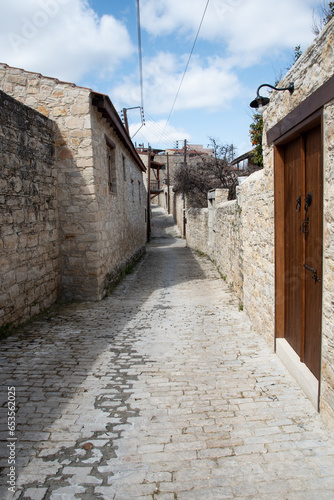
{"points": [[120, 214], [29, 233], [69, 106], [162, 198], [176, 205], [257, 203], [254, 241], [96, 236], [236, 235], [311, 71], [198, 229], [327, 381], [227, 247]]}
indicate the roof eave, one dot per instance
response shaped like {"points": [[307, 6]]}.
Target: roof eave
{"points": [[106, 108]]}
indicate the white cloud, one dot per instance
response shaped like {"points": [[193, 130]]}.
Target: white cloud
{"points": [[208, 85], [161, 17], [248, 29], [61, 38]]}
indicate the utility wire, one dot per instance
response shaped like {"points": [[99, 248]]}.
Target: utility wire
{"points": [[187, 65], [140, 56], [155, 129]]}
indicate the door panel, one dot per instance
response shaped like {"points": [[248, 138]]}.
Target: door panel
{"points": [[303, 234], [313, 251], [293, 189]]}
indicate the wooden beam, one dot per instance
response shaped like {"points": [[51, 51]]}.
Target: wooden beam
{"points": [[279, 244], [106, 108], [303, 253], [310, 105]]}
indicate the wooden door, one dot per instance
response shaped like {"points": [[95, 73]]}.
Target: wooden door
{"points": [[313, 251], [303, 212], [293, 246]]}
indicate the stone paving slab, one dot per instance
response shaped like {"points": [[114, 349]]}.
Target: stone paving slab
{"points": [[161, 391]]}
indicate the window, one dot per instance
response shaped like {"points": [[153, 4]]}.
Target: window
{"points": [[132, 191], [139, 191], [124, 167], [111, 165]]}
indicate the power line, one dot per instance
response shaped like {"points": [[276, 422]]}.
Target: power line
{"points": [[185, 71], [140, 56], [160, 130], [155, 129]]}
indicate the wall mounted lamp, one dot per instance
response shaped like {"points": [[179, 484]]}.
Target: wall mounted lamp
{"points": [[260, 101]]}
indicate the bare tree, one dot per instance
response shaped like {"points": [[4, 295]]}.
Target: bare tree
{"points": [[324, 14], [203, 173]]}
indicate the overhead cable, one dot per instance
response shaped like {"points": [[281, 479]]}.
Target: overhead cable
{"points": [[187, 65], [140, 57]]}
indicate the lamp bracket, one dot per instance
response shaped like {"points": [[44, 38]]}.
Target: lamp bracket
{"points": [[261, 101], [290, 88]]}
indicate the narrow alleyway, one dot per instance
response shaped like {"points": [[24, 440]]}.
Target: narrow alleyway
{"points": [[160, 391]]}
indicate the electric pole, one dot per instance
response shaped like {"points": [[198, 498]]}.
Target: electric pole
{"points": [[149, 195], [125, 116], [168, 192], [184, 198]]}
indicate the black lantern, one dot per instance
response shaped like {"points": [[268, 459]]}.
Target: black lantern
{"points": [[261, 101]]}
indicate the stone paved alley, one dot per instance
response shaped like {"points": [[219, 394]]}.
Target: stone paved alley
{"points": [[160, 391]]}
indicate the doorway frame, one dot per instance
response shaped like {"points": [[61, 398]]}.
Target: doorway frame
{"points": [[295, 364], [305, 125], [305, 116]]}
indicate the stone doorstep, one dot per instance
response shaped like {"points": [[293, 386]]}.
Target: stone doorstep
{"points": [[305, 378]]}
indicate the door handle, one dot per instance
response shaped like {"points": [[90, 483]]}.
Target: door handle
{"points": [[308, 201], [305, 226], [299, 203], [314, 271]]}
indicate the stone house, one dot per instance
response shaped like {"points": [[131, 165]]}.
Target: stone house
{"points": [[90, 176], [275, 244]]}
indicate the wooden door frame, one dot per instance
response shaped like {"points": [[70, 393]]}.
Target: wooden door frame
{"points": [[316, 119], [312, 121], [306, 115], [303, 112]]}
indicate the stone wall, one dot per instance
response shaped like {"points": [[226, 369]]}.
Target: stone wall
{"points": [[236, 236], [29, 232], [242, 239], [327, 382], [227, 244], [69, 106], [198, 229], [178, 207], [312, 70], [97, 232], [162, 198], [174, 162], [257, 204], [120, 213]]}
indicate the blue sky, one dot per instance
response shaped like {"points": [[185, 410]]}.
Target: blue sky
{"points": [[93, 43]]}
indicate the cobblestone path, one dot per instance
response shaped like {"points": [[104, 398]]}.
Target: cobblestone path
{"points": [[160, 391]]}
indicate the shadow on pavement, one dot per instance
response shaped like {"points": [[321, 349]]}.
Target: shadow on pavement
{"points": [[48, 360]]}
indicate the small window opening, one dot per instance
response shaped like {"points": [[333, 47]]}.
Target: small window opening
{"points": [[111, 165], [132, 191], [124, 167]]}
